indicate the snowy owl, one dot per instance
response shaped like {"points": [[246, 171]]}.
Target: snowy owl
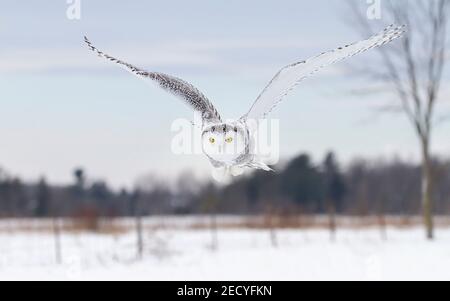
{"points": [[230, 145]]}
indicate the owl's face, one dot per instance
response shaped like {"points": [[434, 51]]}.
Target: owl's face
{"points": [[224, 142]]}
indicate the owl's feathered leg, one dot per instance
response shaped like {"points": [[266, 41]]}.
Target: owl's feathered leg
{"points": [[221, 174], [224, 174], [236, 171]]}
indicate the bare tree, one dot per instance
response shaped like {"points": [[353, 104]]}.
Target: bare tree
{"points": [[271, 217], [413, 71], [45, 200], [136, 206], [57, 235], [214, 234], [209, 204], [334, 190]]}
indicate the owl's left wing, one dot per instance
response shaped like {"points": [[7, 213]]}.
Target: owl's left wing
{"points": [[191, 95], [290, 76]]}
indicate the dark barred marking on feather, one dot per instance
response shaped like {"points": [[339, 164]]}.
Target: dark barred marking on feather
{"points": [[192, 96]]}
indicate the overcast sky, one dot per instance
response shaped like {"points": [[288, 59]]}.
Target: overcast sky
{"points": [[62, 107]]}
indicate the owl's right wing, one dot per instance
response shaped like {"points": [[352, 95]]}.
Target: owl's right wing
{"points": [[290, 76], [184, 90]]}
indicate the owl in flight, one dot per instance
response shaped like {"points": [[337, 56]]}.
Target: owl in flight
{"points": [[230, 145]]}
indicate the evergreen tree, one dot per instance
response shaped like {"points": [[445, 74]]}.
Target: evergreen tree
{"points": [[42, 198], [301, 182]]}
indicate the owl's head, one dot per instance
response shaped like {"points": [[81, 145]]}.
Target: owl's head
{"points": [[225, 142]]}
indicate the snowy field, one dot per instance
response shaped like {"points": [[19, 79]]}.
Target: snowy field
{"points": [[242, 254]]}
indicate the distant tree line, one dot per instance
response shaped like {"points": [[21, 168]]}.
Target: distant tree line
{"points": [[362, 188], [300, 186]]}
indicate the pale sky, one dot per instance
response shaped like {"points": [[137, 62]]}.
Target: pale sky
{"points": [[62, 107]]}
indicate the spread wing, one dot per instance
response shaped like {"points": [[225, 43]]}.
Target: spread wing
{"points": [[290, 76], [184, 90]]}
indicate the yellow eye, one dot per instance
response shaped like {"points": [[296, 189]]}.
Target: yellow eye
{"points": [[229, 140], [212, 140]]}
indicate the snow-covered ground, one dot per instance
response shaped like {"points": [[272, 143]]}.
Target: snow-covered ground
{"points": [[242, 254]]}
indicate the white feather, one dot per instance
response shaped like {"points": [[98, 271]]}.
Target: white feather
{"points": [[290, 76]]}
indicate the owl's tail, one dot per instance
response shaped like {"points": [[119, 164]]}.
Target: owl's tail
{"points": [[259, 165]]}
